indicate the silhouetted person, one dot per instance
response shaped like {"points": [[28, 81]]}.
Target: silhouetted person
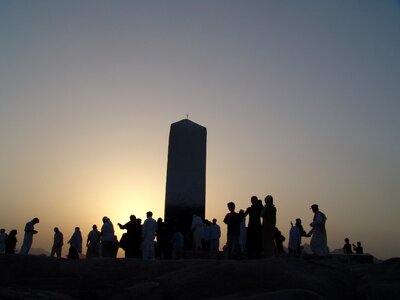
{"points": [[58, 242], [215, 234], [11, 242], [319, 241], [3, 241], [254, 228], [149, 230], [28, 236], [161, 239], [358, 249], [347, 247], [205, 241], [93, 243], [232, 220], [295, 234], [107, 238], [268, 227], [242, 231], [127, 242], [75, 244], [177, 242], [197, 232], [138, 239], [279, 239]]}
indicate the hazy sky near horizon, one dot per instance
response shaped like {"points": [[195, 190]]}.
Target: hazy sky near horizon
{"points": [[300, 100]]}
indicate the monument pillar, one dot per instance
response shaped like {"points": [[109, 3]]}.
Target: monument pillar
{"points": [[186, 174]]}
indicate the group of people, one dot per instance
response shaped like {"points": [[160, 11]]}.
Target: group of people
{"points": [[261, 237]]}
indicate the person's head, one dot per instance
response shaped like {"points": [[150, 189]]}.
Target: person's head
{"points": [[214, 221], [231, 206], [149, 214], [56, 229], [269, 200], [359, 244], [35, 220], [105, 219], [346, 240], [13, 232], [132, 218], [77, 229], [94, 227], [241, 212], [314, 208], [254, 199], [298, 221], [139, 221], [159, 220]]}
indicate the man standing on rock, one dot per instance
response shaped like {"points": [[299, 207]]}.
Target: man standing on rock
{"points": [[148, 235], [232, 220], [57, 243], [28, 237], [318, 235], [268, 227]]}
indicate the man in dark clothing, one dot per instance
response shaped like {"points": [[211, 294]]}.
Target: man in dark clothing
{"points": [[232, 220], [254, 229]]}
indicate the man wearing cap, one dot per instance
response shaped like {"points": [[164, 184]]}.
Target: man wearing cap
{"points": [[319, 239]]}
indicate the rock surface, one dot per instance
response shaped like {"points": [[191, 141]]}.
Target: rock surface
{"points": [[38, 277]]}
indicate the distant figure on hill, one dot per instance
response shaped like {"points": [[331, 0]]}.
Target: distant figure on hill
{"points": [[358, 249], [28, 237], [149, 230], [215, 234], [93, 243], [11, 242], [3, 241], [279, 239], [254, 229], [232, 220], [295, 234], [347, 247], [162, 249], [75, 244], [177, 242], [268, 229], [319, 241], [107, 238], [197, 232], [127, 239], [243, 232], [58, 242]]}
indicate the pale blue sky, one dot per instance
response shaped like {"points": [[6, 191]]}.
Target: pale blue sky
{"points": [[300, 99]]}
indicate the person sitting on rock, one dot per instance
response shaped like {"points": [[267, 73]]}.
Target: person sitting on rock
{"points": [[358, 249], [347, 247]]}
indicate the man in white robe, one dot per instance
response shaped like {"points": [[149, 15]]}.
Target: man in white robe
{"points": [[149, 230], [318, 234], [197, 231], [107, 238], [215, 234], [28, 237]]}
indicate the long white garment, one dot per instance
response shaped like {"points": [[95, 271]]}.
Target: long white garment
{"points": [[3, 238], [215, 234], [28, 238], [319, 239], [76, 241], [149, 230], [197, 230], [294, 238], [107, 232]]}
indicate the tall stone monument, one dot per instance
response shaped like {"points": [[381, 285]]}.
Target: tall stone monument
{"points": [[186, 174]]}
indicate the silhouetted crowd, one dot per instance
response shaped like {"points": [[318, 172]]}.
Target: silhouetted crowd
{"points": [[155, 239]]}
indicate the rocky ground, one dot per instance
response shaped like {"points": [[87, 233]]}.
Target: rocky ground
{"points": [[39, 277]]}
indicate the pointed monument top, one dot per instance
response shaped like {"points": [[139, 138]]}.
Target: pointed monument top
{"points": [[186, 123]]}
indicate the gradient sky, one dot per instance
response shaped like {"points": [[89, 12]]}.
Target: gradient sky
{"points": [[300, 100]]}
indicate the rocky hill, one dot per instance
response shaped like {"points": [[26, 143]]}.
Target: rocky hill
{"points": [[38, 277]]}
